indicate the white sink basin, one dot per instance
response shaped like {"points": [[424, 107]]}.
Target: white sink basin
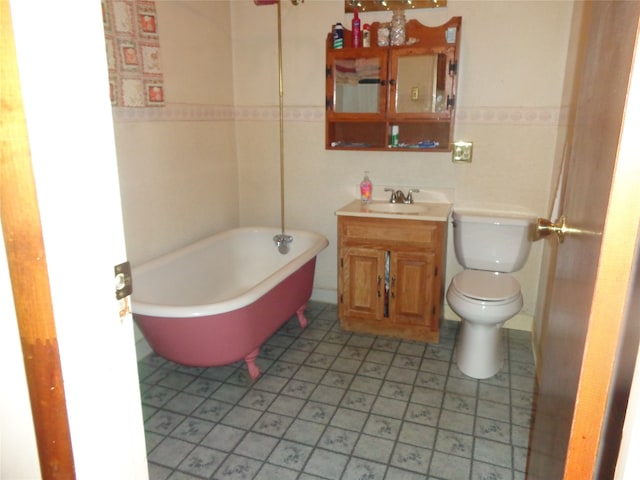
{"points": [[406, 208], [407, 211]]}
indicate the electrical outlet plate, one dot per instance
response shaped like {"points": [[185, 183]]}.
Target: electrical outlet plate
{"points": [[462, 151]]}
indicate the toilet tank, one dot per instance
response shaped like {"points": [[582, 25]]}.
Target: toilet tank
{"points": [[495, 242]]}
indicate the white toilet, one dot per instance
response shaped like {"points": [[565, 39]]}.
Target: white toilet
{"points": [[484, 295]]}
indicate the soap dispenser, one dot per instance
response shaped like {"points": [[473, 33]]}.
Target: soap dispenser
{"points": [[366, 188]]}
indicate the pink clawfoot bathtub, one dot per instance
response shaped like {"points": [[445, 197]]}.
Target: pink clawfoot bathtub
{"points": [[218, 300]]}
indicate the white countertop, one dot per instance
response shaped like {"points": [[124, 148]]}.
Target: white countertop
{"points": [[438, 212]]}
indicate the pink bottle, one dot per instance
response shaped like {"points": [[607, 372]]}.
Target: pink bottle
{"points": [[366, 189]]}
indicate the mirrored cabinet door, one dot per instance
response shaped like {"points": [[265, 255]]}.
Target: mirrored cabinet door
{"points": [[358, 81], [420, 84]]}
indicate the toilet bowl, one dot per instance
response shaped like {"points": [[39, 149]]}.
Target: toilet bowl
{"points": [[485, 295], [484, 303]]}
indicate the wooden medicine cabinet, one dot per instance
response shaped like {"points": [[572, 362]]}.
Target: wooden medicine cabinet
{"points": [[409, 88]]}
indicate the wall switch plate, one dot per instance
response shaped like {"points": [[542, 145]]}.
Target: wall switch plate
{"points": [[462, 151]]}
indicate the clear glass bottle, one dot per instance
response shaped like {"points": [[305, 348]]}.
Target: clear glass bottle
{"points": [[383, 35], [398, 32]]}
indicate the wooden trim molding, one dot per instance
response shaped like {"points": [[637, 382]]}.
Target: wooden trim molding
{"points": [[28, 270]]}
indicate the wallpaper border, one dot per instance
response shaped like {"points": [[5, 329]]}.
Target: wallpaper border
{"points": [[541, 116]]}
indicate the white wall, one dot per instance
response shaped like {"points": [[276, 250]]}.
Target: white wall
{"points": [[209, 160], [18, 449], [177, 164], [513, 56]]}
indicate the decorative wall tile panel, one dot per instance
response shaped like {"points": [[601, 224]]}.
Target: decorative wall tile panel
{"points": [[133, 53]]}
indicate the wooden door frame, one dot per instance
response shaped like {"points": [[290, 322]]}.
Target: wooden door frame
{"points": [[28, 270]]}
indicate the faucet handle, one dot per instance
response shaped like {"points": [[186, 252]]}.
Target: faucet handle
{"points": [[410, 197], [394, 197]]}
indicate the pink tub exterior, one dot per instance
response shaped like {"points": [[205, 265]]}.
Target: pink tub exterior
{"points": [[218, 300]]}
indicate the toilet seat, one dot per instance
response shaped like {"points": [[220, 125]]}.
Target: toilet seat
{"points": [[486, 286]]}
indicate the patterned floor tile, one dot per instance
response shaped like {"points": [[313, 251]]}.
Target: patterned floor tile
{"points": [[202, 462], [332, 404], [223, 437], [359, 469], [326, 464], [449, 467], [416, 434], [411, 457], [237, 468], [338, 440], [374, 448]]}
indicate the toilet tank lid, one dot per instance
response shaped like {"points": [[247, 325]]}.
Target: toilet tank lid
{"points": [[498, 217]]}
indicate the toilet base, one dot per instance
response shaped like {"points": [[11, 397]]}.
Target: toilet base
{"points": [[479, 350]]}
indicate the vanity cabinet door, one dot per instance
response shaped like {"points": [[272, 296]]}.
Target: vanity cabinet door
{"points": [[412, 290], [362, 284], [389, 277]]}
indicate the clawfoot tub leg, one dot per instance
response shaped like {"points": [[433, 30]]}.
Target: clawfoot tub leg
{"points": [[250, 360], [302, 320]]}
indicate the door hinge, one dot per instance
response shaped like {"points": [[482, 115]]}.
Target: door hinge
{"points": [[451, 101], [453, 68], [435, 273], [341, 298], [124, 283], [329, 103], [327, 71]]}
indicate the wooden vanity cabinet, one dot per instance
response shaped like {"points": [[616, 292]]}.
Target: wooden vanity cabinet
{"points": [[410, 87], [391, 276]]}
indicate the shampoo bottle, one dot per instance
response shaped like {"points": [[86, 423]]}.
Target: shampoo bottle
{"points": [[356, 34], [366, 35], [338, 35], [366, 187]]}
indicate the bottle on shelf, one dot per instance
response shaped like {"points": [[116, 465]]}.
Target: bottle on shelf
{"points": [[338, 35], [398, 26], [366, 35], [356, 34], [395, 131]]}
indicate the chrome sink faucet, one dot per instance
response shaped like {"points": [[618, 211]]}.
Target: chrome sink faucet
{"points": [[397, 196]]}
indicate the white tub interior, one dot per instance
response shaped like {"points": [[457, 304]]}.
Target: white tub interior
{"points": [[220, 273]]}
